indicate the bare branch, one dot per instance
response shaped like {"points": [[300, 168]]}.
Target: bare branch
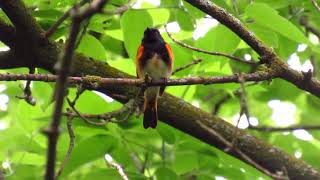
{"points": [[194, 62], [7, 34], [315, 4], [70, 149], [21, 18], [209, 52], [305, 23], [27, 96], [110, 162], [126, 109], [9, 60], [243, 155], [55, 26], [267, 55], [61, 83], [95, 82], [281, 129]]}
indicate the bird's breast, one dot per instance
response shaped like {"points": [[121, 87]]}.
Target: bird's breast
{"points": [[156, 68]]}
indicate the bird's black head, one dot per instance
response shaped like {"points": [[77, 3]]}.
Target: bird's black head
{"points": [[152, 35]]}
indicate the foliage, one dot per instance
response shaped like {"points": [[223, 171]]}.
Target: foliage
{"points": [[168, 153]]}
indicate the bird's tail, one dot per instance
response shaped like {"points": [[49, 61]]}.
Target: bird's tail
{"points": [[150, 113]]}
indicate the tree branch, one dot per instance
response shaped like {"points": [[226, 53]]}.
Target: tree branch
{"points": [[280, 129], [267, 55], [304, 22], [96, 82], [21, 18], [55, 26], [9, 60], [229, 145], [209, 52], [61, 83], [7, 34], [315, 4]]}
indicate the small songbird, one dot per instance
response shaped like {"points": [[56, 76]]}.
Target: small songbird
{"points": [[154, 58]]}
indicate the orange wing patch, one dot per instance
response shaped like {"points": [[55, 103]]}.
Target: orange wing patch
{"points": [[138, 57], [169, 50]]}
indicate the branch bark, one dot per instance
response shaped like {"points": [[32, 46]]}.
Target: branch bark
{"points": [[97, 82], [267, 55], [7, 34]]}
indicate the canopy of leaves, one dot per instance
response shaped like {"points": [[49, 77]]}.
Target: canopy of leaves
{"points": [[166, 153]]}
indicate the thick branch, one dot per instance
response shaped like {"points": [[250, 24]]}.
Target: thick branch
{"points": [[233, 24], [21, 18], [7, 34], [267, 54], [9, 60]]}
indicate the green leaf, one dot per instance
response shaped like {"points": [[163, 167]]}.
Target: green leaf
{"points": [[133, 24], [265, 16], [218, 39], [92, 47], [270, 38], [166, 133], [88, 150], [159, 16], [185, 20], [166, 174]]}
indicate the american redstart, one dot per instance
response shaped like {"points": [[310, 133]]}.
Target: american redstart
{"points": [[154, 58]]}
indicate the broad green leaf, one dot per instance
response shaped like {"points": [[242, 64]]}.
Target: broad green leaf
{"points": [[270, 38], [88, 150], [159, 16], [185, 21], [218, 39], [165, 174], [133, 24], [166, 133], [92, 47], [265, 16], [276, 4]]}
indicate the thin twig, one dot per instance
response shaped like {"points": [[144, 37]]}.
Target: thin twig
{"points": [[240, 153], [70, 149], [110, 162], [309, 28], [194, 62], [226, 97], [145, 162], [243, 110], [27, 96], [63, 70], [55, 26], [208, 52], [315, 4], [127, 7], [281, 129], [83, 32], [77, 113], [126, 109]]}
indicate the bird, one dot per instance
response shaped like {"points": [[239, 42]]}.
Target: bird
{"points": [[155, 60]]}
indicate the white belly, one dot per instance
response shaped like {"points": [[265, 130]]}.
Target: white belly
{"points": [[156, 68]]}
